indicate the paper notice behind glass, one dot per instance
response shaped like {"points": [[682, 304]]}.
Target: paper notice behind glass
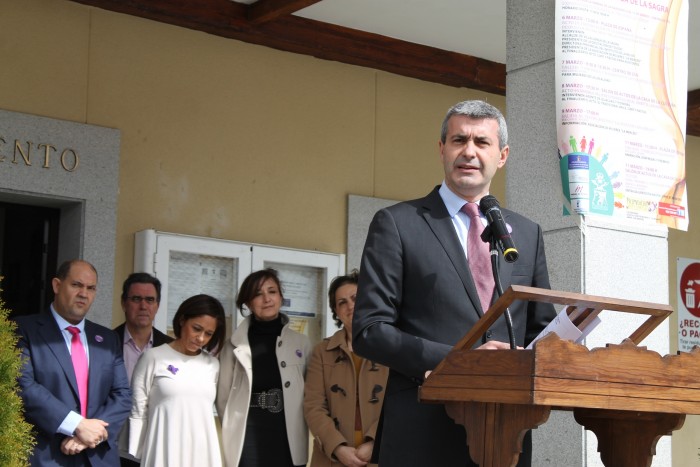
{"points": [[193, 274], [303, 289]]}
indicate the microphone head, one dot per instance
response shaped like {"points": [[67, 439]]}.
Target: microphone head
{"points": [[487, 203], [511, 255]]}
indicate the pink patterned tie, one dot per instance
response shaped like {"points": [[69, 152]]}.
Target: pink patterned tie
{"points": [[478, 256], [80, 365]]}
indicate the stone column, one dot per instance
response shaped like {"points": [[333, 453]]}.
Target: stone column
{"points": [[590, 255]]}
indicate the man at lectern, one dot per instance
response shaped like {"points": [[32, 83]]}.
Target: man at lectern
{"points": [[425, 282]]}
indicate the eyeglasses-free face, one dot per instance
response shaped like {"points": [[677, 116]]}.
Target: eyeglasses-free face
{"points": [[345, 304], [74, 294], [267, 302], [195, 333]]}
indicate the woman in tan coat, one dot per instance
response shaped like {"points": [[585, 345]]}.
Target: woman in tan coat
{"points": [[343, 394]]}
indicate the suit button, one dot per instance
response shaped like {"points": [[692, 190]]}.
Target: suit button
{"points": [[287, 384], [283, 364], [488, 334], [279, 344]]}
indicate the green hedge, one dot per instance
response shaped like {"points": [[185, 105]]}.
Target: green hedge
{"points": [[16, 438]]}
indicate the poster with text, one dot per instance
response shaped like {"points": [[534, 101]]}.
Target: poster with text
{"points": [[193, 274], [688, 300], [621, 81]]}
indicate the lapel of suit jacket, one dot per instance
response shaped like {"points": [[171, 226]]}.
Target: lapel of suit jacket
{"points": [[53, 336], [96, 347], [119, 331], [436, 215], [160, 338]]}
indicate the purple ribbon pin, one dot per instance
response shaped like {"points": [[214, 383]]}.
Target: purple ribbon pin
{"points": [[99, 338], [298, 352], [172, 369]]}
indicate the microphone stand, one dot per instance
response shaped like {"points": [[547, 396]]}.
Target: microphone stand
{"points": [[488, 237]]}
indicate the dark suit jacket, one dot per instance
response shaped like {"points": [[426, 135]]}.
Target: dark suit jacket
{"points": [[49, 390], [416, 298], [159, 338]]}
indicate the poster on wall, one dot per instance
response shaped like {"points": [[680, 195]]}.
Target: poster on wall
{"points": [[621, 92], [688, 300]]}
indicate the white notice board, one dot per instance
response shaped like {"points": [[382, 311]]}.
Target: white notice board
{"points": [[189, 265]]}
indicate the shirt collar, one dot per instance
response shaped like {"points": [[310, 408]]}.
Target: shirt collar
{"points": [[453, 203], [128, 338], [63, 324]]}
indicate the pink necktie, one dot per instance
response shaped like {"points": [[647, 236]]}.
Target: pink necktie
{"points": [[80, 365], [479, 256]]}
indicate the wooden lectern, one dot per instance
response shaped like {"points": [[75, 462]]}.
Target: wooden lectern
{"points": [[625, 394]]}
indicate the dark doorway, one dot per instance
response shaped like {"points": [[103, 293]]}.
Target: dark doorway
{"points": [[29, 249]]}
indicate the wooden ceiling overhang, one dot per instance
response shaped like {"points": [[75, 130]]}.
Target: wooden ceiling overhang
{"points": [[271, 23]]}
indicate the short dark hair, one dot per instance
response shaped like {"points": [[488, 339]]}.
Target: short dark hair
{"points": [[252, 284], [140, 278], [337, 283], [202, 305], [64, 269]]}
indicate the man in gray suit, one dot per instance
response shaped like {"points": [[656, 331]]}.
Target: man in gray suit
{"points": [[417, 295]]}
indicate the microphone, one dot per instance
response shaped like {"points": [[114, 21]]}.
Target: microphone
{"points": [[492, 210]]}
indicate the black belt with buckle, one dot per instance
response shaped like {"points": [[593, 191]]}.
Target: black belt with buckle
{"points": [[268, 400]]}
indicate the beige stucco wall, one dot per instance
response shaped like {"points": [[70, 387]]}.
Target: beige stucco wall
{"points": [[221, 138], [230, 140]]}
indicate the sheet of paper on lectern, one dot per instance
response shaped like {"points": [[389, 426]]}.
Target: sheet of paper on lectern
{"points": [[565, 329]]}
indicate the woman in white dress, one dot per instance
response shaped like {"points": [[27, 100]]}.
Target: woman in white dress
{"points": [[174, 387]]}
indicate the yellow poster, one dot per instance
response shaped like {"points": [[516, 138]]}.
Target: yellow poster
{"points": [[622, 68]]}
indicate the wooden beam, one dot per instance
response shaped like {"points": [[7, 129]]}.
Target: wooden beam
{"points": [[693, 125], [255, 25], [321, 40], [263, 11]]}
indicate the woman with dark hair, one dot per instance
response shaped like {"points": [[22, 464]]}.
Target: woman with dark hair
{"points": [[344, 392], [261, 387], [174, 387]]}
